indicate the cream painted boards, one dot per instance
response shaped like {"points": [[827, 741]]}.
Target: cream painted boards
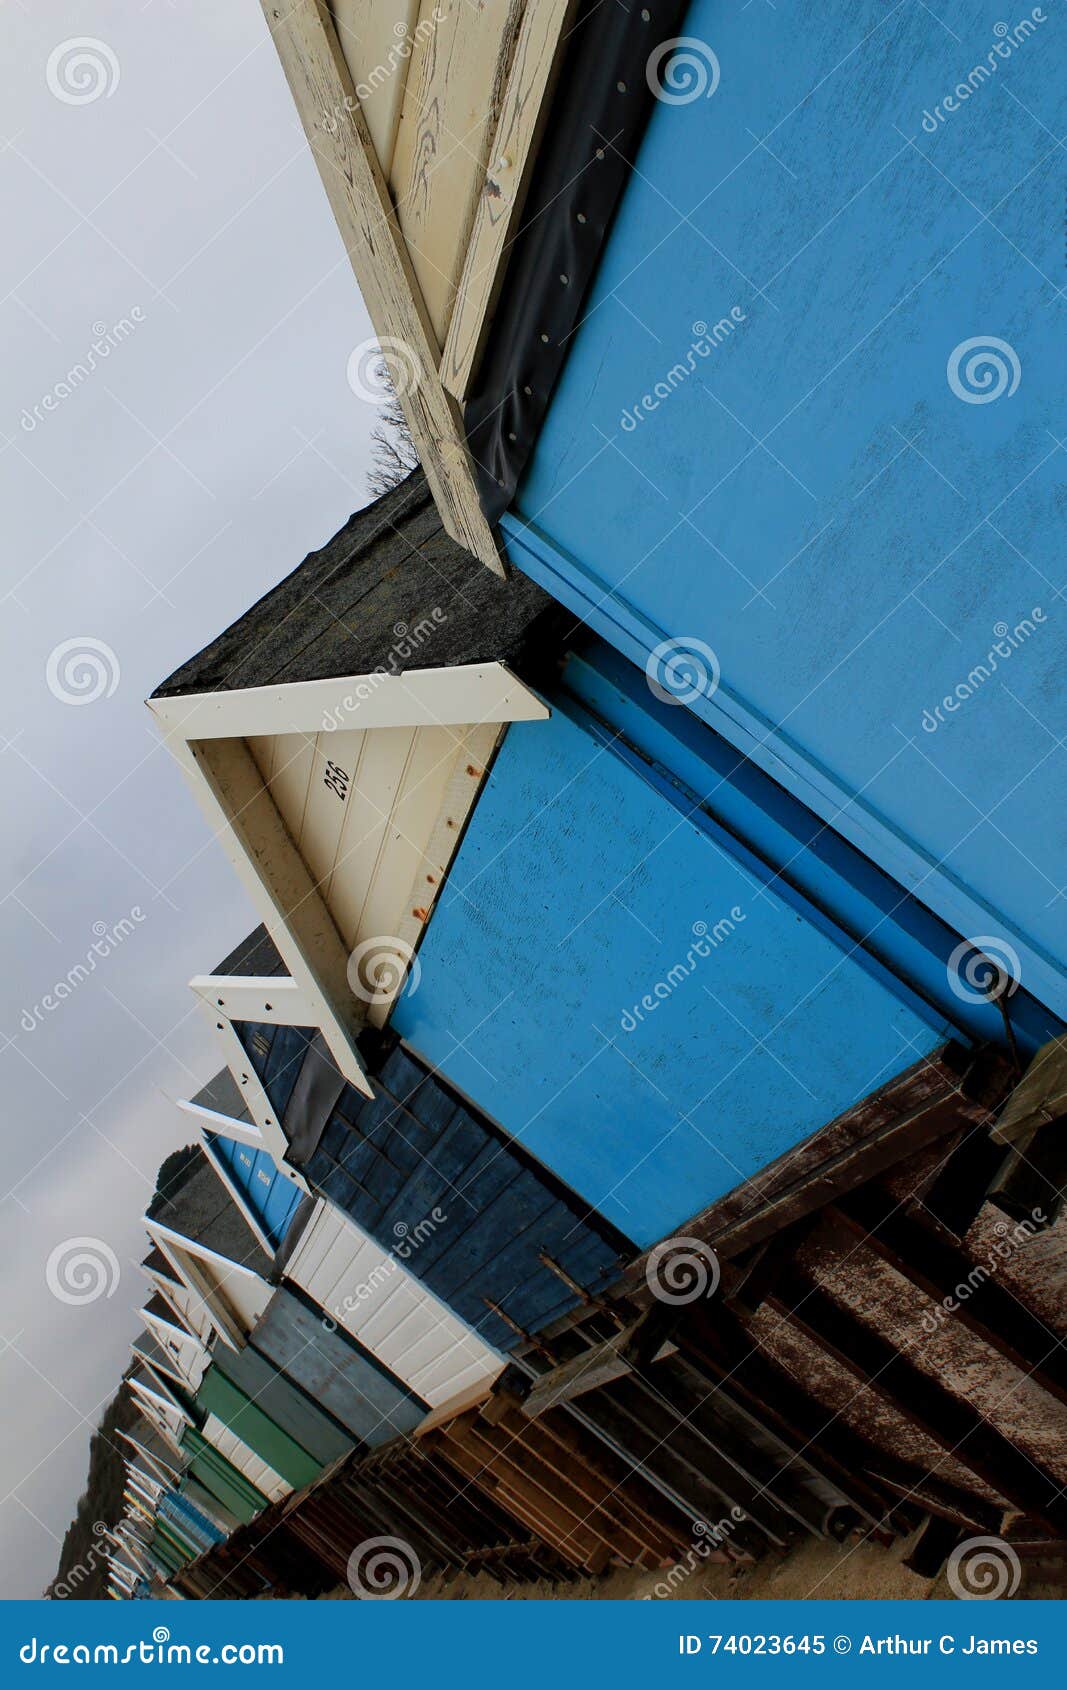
{"points": [[340, 804]]}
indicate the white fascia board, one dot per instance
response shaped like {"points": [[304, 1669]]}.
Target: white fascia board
{"points": [[166, 1291], [193, 1353], [168, 1368], [449, 697], [272, 1136], [273, 999], [245, 1132], [178, 1327], [171, 1410], [174, 1245], [170, 1241], [206, 734]]}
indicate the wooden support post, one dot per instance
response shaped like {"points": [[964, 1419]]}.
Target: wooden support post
{"points": [[321, 84], [967, 1291], [954, 1425]]}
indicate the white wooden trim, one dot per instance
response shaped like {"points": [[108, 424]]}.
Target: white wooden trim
{"points": [[166, 1291], [245, 1132], [475, 754], [169, 1367], [534, 67], [176, 1247], [251, 997], [444, 697], [362, 204], [156, 1325], [246, 823], [173, 1409], [169, 1240], [271, 1133], [167, 1472]]}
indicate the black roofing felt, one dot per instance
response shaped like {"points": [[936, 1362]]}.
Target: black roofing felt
{"points": [[374, 586], [203, 1211], [258, 955]]}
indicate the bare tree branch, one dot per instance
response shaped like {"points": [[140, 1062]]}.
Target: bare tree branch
{"points": [[393, 454]]}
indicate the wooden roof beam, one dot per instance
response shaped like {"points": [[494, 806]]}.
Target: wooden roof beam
{"points": [[321, 84]]}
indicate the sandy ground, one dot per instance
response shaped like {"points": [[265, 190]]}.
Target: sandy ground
{"points": [[852, 1571]]}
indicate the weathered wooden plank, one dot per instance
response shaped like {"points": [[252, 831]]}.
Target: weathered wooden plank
{"points": [[333, 121], [538, 53], [452, 100], [377, 38], [720, 1348], [596, 1366], [955, 1425], [966, 1290]]}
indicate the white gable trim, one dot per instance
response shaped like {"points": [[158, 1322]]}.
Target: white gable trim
{"points": [[208, 734], [448, 697], [269, 998], [270, 1133], [178, 1250], [245, 1132]]}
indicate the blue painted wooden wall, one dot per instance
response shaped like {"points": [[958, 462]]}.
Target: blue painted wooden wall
{"points": [[818, 499], [633, 998]]}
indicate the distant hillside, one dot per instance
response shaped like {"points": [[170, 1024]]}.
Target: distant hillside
{"points": [[82, 1572]]}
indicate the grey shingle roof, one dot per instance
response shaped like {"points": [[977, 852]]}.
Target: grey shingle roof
{"points": [[389, 568]]}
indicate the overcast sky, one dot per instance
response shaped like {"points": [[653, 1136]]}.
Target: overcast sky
{"points": [[161, 202]]}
